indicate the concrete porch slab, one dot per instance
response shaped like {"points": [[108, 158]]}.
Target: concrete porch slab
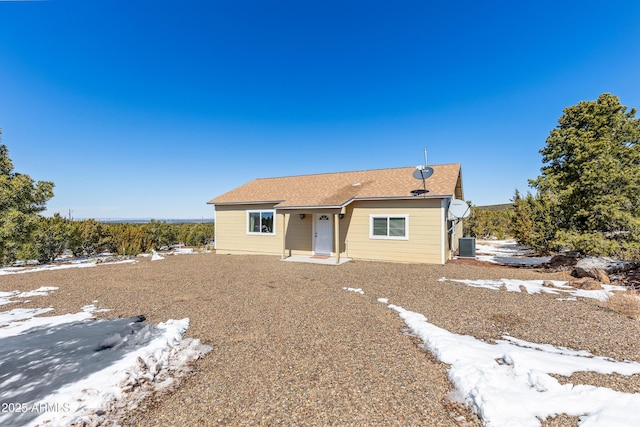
{"points": [[316, 260]]}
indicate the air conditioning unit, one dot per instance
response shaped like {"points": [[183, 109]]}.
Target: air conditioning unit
{"points": [[467, 247]]}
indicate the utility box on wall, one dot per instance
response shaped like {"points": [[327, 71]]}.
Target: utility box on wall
{"points": [[467, 247]]}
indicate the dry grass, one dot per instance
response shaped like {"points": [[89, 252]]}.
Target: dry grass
{"points": [[626, 303]]}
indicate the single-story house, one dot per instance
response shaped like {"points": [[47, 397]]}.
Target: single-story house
{"points": [[382, 214]]}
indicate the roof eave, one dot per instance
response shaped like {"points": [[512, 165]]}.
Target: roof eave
{"points": [[256, 202], [308, 207], [422, 196]]}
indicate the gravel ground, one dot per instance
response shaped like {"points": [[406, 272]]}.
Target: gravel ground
{"points": [[290, 347]]}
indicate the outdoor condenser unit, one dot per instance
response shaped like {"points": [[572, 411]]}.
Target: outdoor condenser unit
{"points": [[467, 247]]}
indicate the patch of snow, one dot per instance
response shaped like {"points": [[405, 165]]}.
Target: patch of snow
{"points": [[70, 370], [536, 286], [155, 355], [156, 256], [91, 308], [41, 291], [7, 297], [508, 383], [356, 290], [19, 320], [183, 251], [507, 252], [501, 248], [51, 267], [599, 294], [383, 300], [514, 260], [14, 316]]}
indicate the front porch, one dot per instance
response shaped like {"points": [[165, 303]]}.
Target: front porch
{"points": [[313, 235], [315, 259]]}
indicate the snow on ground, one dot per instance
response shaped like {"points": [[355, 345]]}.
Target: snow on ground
{"points": [[6, 297], [508, 383], [155, 256], [50, 267], [507, 248], [183, 251], [538, 286], [507, 252], [66, 262], [70, 369]]}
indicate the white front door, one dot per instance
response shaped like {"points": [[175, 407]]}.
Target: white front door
{"points": [[323, 234]]}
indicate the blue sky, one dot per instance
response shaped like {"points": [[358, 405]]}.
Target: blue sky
{"points": [[147, 109]]}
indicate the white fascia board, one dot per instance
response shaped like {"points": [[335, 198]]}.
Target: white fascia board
{"points": [[280, 208], [257, 202]]}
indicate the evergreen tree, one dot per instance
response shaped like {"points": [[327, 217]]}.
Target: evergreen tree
{"points": [[533, 222], [21, 200], [89, 237], [484, 223], [590, 181], [159, 233], [521, 226], [50, 238]]}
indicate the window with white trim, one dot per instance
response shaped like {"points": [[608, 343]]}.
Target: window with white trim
{"points": [[389, 227], [261, 222]]}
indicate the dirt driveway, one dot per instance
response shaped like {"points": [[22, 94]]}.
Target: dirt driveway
{"points": [[291, 347]]}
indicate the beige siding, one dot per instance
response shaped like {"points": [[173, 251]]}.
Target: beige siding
{"points": [[299, 234], [232, 236], [424, 244]]}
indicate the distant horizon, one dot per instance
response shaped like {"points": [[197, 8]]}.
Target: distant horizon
{"points": [[147, 219]]}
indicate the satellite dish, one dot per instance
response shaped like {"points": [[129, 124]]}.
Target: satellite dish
{"points": [[458, 209], [423, 172]]}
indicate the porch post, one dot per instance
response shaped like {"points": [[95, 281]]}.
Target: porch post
{"points": [[284, 236], [336, 221]]}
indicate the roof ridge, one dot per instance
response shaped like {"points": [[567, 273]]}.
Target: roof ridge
{"points": [[344, 172]]}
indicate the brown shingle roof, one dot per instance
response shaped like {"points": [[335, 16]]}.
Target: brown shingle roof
{"points": [[337, 189]]}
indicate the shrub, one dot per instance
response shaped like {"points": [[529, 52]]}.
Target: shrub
{"points": [[49, 240], [487, 223], [627, 303]]}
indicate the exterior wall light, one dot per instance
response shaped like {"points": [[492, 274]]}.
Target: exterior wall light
{"points": [[341, 215], [301, 216]]}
